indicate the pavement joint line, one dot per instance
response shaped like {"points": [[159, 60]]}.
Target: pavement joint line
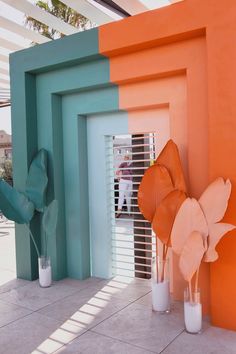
{"points": [[51, 303], [87, 287], [16, 320], [7, 291], [91, 329], [163, 350], [74, 291], [32, 311], [23, 307], [120, 340]]}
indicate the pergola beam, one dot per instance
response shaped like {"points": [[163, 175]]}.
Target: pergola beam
{"points": [[3, 104], [22, 31], [133, 7], [42, 16], [4, 43], [92, 10]]}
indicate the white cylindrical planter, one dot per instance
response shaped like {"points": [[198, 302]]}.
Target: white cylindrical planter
{"points": [[45, 272], [161, 296], [192, 312], [160, 285]]}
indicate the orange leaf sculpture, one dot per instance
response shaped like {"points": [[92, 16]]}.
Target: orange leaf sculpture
{"points": [[155, 185], [191, 255], [169, 157], [189, 218], [165, 215]]}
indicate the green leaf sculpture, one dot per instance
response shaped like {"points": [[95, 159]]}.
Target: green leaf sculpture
{"points": [[15, 205], [49, 221], [21, 207], [37, 180], [50, 218]]}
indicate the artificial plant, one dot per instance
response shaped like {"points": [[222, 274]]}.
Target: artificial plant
{"points": [[22, 206], [197, 229], [161, 193]]}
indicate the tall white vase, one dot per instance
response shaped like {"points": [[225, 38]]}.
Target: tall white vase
{"points": [[192, 312], [45, 272], [160, 285]]}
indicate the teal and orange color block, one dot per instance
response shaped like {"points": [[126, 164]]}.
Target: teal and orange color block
{"points": [[171, 70]]}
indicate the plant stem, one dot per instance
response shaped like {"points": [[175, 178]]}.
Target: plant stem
{"points": [[196, 280], [156, 262], [46, 244], [163, 262], [45, 238], [32, 238], [167, 248], [190, 292]]}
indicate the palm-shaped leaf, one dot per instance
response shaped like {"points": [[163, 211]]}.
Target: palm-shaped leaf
{"points": [[216, 232], [49, 220], [165, 215], [169, 157], [37, 180], [15, 205], [214, 200], [191, 255], [156, 184], [189, 218]]}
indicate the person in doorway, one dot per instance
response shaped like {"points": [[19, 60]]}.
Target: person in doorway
{"points": [[124, 175]]}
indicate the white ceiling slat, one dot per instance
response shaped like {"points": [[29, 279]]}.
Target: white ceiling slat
{"points": [[4, 58], [155, 4], [133, 7], [4, 77], [22, 31], [3, 81], [91, 10], [4, 71], [9, 45], [42, 16]]}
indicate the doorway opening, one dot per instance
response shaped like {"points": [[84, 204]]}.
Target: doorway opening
{"points": [[133, 243]]}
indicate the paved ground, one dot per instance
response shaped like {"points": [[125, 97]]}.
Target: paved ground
{"points": [[93, 316], [7, 252]]}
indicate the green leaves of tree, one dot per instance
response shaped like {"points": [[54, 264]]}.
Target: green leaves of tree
{"points": [[59, 10]]}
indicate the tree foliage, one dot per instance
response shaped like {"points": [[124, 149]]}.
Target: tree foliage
{"points": [[60, 10], [6, 170]]}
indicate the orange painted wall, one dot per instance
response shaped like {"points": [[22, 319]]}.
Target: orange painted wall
{"points": [[150, 55]]}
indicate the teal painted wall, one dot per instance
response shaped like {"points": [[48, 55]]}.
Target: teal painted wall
{"points": [[44, 79], [63, 117], [98, 127], [75, 110]]}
